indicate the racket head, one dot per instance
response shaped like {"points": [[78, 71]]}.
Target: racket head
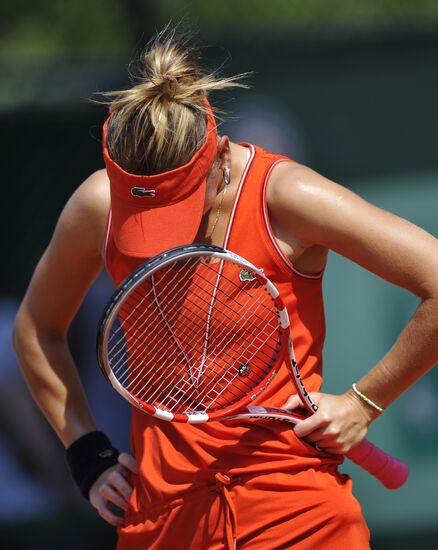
{"points": [[194, 334]]}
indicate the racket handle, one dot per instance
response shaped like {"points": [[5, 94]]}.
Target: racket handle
{"points": [[390, 471]]}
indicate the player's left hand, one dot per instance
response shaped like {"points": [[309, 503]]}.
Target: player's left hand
{"points": [[338, 425], [111, 492]]}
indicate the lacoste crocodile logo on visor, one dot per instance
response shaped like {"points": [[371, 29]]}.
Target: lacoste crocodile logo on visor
{"points": [[142, 192]]}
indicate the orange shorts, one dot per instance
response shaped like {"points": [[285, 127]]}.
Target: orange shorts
{"points": [[302, 510]]}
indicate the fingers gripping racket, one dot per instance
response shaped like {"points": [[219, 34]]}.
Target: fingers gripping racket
{"points": [[196, 334]]}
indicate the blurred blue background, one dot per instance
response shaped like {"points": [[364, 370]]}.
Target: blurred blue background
{"points": [[349, 88]]}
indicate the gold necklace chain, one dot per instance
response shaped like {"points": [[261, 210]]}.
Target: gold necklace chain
{"points": [[218, 213]]}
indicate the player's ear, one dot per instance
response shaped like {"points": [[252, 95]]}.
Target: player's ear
{"points": [[224, 153]]}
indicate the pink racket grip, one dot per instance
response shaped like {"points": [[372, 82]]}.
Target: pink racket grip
{"points": [[390, 471]]}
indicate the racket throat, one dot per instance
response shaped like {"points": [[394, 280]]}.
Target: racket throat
{"points": [[299, 385]]}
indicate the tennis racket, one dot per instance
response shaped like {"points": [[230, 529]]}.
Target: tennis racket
{"points": [[196, 333]]}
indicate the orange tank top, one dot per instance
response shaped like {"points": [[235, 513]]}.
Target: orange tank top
{"points": [[175, 458]]}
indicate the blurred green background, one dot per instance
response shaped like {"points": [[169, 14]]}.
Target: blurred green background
{"points": [[347, 87]]}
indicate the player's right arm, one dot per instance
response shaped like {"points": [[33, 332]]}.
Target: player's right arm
{"points": [[61, 279]]}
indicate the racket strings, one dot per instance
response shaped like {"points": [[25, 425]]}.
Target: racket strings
{"points": [[147, 314], [248, 358], [138, 299], [171, 331], [133, 310], [213, 395], [225, 336], [202, 367], [225, 377], [138, 329], [203, 333], [183, 315], [268, 357], [141, 301], [139, 305]]}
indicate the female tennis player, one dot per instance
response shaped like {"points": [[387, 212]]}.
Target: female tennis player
{"points": [[171, 180]]}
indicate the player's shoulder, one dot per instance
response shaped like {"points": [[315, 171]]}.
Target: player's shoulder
{"points": [[85, 215], [289, 186], [92, 198], [94, 191], [303, 203], [297, 188]]}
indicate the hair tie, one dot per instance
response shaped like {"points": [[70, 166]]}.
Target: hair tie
{"points": [[170, 85]]}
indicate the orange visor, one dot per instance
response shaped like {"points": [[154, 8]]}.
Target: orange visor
{"points": [[153, 213]]}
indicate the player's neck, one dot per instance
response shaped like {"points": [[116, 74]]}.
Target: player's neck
{"points": [[239, 158], [214, 224]]}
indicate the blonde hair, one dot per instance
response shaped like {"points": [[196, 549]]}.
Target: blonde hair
{"points": [[159, 123]]}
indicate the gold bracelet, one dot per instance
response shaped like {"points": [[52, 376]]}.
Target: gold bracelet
{"points": [[366, 399]]}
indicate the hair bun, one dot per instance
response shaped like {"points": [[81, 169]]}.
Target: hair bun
{"points": [[169, 86], [160, 121]]}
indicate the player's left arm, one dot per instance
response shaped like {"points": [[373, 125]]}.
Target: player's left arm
{"points": [[320, 212]]}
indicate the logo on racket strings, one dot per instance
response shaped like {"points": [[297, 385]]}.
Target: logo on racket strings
{"points": [[244, 369], [245, 275]]}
